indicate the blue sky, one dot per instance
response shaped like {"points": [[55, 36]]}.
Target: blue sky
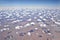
{"points": [[29, 2]]}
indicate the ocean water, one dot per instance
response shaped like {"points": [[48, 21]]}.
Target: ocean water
{"points": [[23, 20]]}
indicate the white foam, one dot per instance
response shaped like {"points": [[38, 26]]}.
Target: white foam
{"points": [[43, 31], [44, 19], [40, 13], [21, 26], [43, 25], [7, 16], [55, 21], [16, 21], [17, 27], [36, 28], [27, 25], [4, 29], [32, 23], [35, 17], [17, 32], [49, 33], [41, 17], [29, 34], [39, 20], [6, 25], [29, 19]]}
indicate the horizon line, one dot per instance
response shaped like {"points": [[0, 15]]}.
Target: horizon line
{"points": [[35, 7]]}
